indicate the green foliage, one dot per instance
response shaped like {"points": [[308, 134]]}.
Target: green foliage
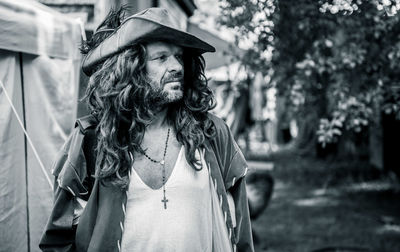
{"points": [[337, 59]]}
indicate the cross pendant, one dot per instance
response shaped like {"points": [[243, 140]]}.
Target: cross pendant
{"points": [[165, 202]]}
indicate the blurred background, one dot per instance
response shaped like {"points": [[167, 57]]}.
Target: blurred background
{"points": [[309, 88]]}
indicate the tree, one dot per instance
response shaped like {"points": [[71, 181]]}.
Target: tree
{"points": [[335, 61]]}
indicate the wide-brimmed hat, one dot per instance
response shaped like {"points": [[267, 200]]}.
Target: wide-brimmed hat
{"points": [[153, 24]]}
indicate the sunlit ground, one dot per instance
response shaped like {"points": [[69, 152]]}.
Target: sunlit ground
{"points": [[311, 209]]}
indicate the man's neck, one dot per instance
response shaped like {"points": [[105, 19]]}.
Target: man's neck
{"points": [[159, 121], [156, 130]]}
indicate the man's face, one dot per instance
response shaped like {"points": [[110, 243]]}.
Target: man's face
{"points": [[164, 67]]}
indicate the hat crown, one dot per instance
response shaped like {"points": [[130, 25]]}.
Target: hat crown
{"points": [[157, 15], [153, 24]]}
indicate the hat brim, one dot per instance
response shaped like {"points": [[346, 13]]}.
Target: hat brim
{"points": [[140, 30]]}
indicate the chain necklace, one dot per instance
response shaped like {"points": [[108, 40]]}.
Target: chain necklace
{"points": [[162, 163]]}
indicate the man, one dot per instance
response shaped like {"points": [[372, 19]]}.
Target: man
{"points": [[150, 169]]}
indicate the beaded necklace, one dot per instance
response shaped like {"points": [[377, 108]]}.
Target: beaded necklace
{"points": [[162, 163]]}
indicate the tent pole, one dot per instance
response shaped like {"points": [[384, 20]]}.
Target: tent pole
{"points": [[26, 153]]}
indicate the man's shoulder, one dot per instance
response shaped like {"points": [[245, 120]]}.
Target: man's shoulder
{"points": [[86, 122], [220, 124], [223, 133]]}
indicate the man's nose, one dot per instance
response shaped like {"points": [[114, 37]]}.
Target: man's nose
{"points": [[175, 65]]}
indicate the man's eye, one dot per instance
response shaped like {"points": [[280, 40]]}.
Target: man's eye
{"points": [[161, 58]]}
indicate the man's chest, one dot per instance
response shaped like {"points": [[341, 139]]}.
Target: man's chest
{"points": [[152, 173]]}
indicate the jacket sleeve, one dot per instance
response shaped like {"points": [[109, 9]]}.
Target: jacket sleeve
{"points": [[243, 232], [234, 174], [70, 182], [235, 182]]}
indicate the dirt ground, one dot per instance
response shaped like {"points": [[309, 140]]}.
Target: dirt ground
{"points": [[362, 216]]}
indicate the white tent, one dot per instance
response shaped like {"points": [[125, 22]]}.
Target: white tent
{"points": [[39, 72]]}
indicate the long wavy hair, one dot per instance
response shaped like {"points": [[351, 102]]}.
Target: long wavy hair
{"points": [[120, 95]]}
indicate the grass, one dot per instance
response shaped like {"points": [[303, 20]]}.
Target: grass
{"points": [[333, 203]]}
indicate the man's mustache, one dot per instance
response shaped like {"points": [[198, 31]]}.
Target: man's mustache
{"points": [[174, 77]]}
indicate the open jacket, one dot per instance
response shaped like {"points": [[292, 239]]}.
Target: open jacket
{"points": [[101, 223]]}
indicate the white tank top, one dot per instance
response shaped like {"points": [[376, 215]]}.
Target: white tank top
{"points": [[186, 224]]}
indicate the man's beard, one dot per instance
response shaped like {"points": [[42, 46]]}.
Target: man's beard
{"points": [[160, 98]]}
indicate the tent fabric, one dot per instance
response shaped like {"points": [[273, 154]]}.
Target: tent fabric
{"points": [[34, 28], [50, 89], [43, 85], [12, 170]]}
